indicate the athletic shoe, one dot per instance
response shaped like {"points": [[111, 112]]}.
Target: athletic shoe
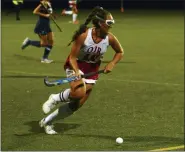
{"points": [[49, 104], [25, 43], [48, 128], [46, 61]]}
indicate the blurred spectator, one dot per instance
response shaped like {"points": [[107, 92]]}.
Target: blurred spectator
{"points": [[17, 8]]}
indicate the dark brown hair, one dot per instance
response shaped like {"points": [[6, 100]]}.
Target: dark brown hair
{"points": [[97, 14]]}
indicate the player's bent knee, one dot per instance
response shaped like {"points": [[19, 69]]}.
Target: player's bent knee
{"points": [[78, 94], [78, 91], [79, 86], [43, 44]]}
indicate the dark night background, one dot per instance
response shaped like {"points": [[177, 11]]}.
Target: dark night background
{"points": [[115, 4]]}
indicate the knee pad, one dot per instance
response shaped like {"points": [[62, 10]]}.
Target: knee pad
{"points": [[74, 105]]}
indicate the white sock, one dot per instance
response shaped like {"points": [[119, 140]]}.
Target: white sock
{"points": [[74, 17], [62, 112], [50, 117], [62, 96], [68, 12]]}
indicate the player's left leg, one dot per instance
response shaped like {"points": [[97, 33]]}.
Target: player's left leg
{"points": [[48, 48], [18, 8], [75, 14], [64, 111]]}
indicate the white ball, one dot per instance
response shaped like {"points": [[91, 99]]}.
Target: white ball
{"points": [[119, 140]]}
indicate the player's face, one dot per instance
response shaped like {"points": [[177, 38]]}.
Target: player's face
{"points": [[107, 24]]}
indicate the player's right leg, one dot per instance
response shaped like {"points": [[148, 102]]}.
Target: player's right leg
{"points": [[35, 43], [75, 93], [64, 111], [42, 35], [25, 43], [77, 88], [49, 128]]}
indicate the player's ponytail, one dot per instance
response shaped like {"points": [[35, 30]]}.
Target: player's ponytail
{"points": [[78, 32], [83, 27]]}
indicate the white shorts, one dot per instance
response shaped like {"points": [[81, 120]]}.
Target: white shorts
{"points": [[70, 73]]}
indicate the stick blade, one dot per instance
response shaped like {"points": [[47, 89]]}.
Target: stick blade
{"points": [[48, 83], [58, 82]]}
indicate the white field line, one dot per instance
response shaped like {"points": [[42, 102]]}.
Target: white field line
{"points": [[116, 80], [148, 82], [169, 148]]}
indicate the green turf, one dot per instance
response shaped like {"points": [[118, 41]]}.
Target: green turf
{"points": [[142, 100]]}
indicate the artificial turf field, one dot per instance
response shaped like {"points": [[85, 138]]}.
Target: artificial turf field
{"points": [[142, 100]]}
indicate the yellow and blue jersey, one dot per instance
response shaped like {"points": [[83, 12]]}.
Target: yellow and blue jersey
{"points": [[16, 2]]}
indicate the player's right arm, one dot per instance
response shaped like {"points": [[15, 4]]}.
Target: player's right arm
{"points": [[36, 11], [76, 46]]}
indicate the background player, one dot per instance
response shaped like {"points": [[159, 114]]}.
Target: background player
{"points": [[17, 8], [73, 11], [43, 29]]}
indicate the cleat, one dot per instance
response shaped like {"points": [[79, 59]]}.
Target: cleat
{"points": [[46, 61], [49, 105], [48, 128], [25, 43]]}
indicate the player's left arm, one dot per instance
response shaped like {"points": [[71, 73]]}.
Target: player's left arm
{"points": [[116, 46], [36, 11]]}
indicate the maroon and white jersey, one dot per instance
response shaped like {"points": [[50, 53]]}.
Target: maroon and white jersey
{"points": [[72, 3], [92, 52], [89, 58]]}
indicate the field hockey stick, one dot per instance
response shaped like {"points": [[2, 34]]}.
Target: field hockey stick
{"points": [[67, 80], [52, 18]]}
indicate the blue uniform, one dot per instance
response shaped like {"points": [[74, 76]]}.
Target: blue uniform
{"points": [[43, 24]]}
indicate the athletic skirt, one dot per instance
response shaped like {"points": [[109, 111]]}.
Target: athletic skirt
{"points": [[42, 28], [84, 69]]}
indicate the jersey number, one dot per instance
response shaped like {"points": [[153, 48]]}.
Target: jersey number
{"points": [[92, 57]]}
